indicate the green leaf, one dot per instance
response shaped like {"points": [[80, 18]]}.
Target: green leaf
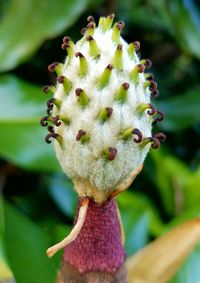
{"points": [[185, 20], [181, 111], [189, 271], [26, 244], [5, 271], [139, 218], [177, 184], [25, 25], [62, 192], [22, 138]]}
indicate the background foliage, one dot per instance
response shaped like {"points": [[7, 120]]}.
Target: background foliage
{"points": [[37, 201]]}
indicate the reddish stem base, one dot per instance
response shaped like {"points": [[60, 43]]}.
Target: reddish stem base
{"points": [[98, 246]]}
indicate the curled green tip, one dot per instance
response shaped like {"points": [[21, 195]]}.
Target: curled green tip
{"points": [[83, 99], [106, 23], [105, 77], [117, 59], [122, 93], [94, 49], [83, 64], [67, 84], [117, 31], [105, 114], [126, 134]]}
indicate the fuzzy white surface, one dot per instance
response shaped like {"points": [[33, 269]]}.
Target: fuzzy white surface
{"points": [[86, 160]]}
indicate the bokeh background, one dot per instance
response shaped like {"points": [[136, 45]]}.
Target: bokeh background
{"points": [[37, 201]]}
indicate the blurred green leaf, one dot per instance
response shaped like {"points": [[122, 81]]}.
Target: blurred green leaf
{"points": [[140, 219], [26, 24], [177, 184], [25, 247], [189, 271], [22, 138], [62, 192], [5, 272], [181, 111], [184, 15]]}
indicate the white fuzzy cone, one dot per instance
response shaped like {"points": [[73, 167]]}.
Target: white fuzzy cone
{"points": [[101, 109]]}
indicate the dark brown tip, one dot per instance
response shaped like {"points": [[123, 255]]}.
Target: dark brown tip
{"points": [[119, 47], [125, 86], [112, 153], [50, 129], [150, 77], [109, 67], [57, 121], [65, 45], [111, 16], [155, 143], [51, 67], [90, 19], [141, 68], [50, 103], [78, 91], [66, 39], [80, 134], [61, 79], [148, 63], [137, 45], [49, 111], [159, 118], [43, 121], [119, 26], [79, 54], [152, 109], [138, 134], [109, 111], [160, 136], [91, 25], [153, 86], [121, 23], [49, 136], [155, 94], [83, 30], [89, 37], [45, 88]]}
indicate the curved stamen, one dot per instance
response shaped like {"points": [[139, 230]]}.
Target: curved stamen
{"points": [[155, 143], [48, 88], [44, 121], [146, 62], [50, 136], [138, 134], [160, 136], [50, 103], [152, 109], [90, 19], [153, 85], [149, 76], [57, 121], [159, 118], [50, 129], [155, 94]]}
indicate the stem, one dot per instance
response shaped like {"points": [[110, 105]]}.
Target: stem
{"points": [[97, 253]]}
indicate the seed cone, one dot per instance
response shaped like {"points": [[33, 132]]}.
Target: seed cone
{"points": [[102, 101]]}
